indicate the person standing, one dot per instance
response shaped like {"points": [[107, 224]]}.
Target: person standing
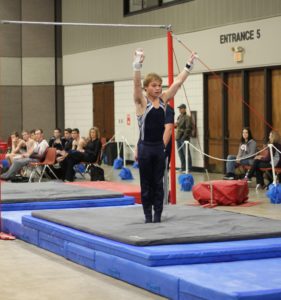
{"points": [[150, 110], [183, 133]]}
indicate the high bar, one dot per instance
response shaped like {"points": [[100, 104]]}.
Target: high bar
{"points": [[168, 27]]}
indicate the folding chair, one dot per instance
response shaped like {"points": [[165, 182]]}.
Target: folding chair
{"points": [[50, 159]]}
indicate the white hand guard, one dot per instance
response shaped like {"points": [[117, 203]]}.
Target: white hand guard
{"points": [[138, 59], [189, 65]]}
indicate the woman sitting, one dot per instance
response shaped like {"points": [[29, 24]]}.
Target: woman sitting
{"points": [[247, 149], [90, 153], [264, 161]]}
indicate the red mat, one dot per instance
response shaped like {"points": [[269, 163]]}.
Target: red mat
{"points": [[127, 189]]}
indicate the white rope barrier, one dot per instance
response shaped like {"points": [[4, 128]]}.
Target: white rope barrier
{"points": [[221, 159], [167, 27], [276, 149]]}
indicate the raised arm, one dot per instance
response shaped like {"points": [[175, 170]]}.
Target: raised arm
{"points": [[172, 90], [138, 94]]}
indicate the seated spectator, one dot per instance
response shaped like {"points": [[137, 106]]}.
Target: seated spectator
{"points": [[37, 153], [57, 141], [68, 139], [76, 141], [247, 148], [17, 147], [32, 134], [264, 161], [29, 142], [89, 154]]}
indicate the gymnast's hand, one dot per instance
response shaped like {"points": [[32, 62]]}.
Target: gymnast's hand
{"points": [[138, 59], [190, 62]]}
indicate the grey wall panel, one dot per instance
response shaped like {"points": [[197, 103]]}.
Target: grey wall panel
{"points": [[10, 36], [60, 107], [10, 9], [186, 17], [39, 108], [10, 71], [38, 10], [10, 110], [38, 71], [10, 41], [38, 40]]}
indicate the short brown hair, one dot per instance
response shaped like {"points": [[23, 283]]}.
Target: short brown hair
{"points": [[151, 77]]}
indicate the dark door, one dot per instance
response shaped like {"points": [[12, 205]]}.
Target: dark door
{"points": [[252, 98], [103, 108]]}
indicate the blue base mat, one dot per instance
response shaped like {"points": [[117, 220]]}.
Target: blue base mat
{"points": [[57, 204], [247, 280], [163, 255]]}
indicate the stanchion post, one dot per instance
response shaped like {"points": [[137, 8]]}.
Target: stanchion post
{"points": [[171, 102], [272, 163]]}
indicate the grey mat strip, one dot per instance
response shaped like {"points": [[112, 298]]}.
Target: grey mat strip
{"points": [[49, 191]]}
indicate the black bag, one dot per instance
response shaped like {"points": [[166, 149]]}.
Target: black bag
{"points": [[19, 178], [97, 173]]}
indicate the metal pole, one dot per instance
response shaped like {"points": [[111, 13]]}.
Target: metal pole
{"points": [[171, 102], [83, 24]]}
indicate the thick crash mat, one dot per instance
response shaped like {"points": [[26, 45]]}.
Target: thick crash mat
{"points": [[180, 224], [126, 189], [232, 192]]}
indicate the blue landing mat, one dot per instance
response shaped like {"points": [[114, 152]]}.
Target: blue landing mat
{"points": [[56, 236], [57, 204], [245, 280]]}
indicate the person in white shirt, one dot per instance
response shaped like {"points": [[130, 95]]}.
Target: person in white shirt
{"points": [[37, 154]]}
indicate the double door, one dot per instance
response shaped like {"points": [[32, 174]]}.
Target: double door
{"points": [[237, 99]]}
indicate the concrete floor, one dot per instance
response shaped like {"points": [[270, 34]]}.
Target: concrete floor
{"points": [[28, 272]]}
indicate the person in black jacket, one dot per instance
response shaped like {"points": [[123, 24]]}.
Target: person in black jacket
{"points": [[89, 154], [57, 141]]}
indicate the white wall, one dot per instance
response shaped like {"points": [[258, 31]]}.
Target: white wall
{"points": [[79, 107], [115, 63]]}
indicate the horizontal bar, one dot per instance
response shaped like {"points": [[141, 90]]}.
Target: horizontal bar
{"points": [[168, 27]]}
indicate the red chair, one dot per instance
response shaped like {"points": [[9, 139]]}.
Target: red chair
{"points": [[50, 160]]}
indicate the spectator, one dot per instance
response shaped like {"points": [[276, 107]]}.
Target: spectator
{"points": [[57, 141], [183, 133], [247, 148], [37, 153], [68, 139], [18, 146], [89, 154], [264, 161]]}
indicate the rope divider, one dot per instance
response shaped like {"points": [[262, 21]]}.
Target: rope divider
{"points": [[221, 159]]}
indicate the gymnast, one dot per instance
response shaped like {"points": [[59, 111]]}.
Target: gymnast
{"points": [[150, 110]]}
